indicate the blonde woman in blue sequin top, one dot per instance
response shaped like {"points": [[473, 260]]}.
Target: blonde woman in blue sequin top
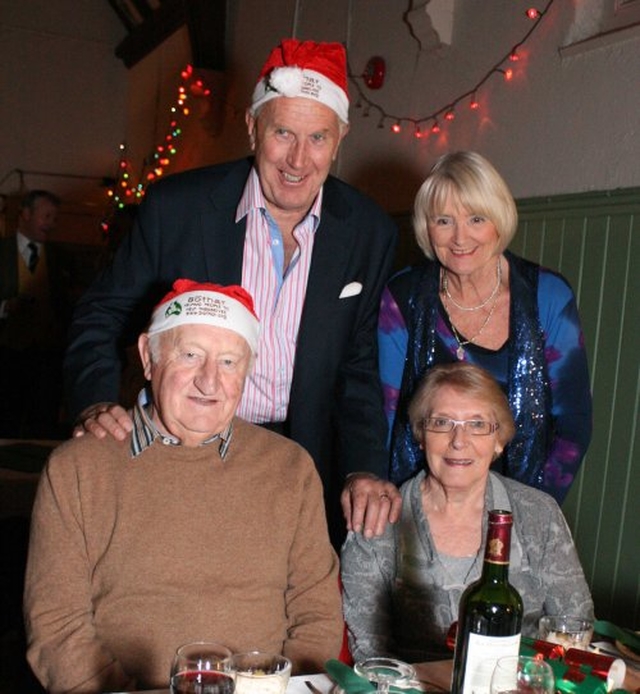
{"points": [[472, 300]]}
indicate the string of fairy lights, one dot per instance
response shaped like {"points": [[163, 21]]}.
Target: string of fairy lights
{"points": [[433, 122], [128, 189]]}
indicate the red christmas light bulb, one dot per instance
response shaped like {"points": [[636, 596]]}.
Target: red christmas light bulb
{"points": [[532, 13]]}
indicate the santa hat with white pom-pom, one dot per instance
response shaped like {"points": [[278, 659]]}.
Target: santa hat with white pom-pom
{"points": [[305, 69]]}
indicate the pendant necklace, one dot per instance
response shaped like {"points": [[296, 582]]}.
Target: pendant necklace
{"points": [[445, 289], [463, 343]]}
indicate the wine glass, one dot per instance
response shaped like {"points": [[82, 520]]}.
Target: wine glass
{"points": [[523, 675], [568, 631], [202, 667], [385, 672]]}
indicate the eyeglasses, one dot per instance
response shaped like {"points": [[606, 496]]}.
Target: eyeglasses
{"points": [[445, 425]]}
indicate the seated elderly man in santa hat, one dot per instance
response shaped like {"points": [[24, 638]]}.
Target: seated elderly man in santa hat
{"points": [[198, 526]]}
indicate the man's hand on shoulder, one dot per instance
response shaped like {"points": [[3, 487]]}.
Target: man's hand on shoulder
{"points": [[369, 503], [102, 419]]}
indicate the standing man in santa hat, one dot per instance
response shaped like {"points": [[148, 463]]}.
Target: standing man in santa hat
{"points": [[315, 254]]}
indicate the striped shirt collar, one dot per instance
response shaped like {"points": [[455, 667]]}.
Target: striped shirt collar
{"points": [[253, 199], [145, 432]]}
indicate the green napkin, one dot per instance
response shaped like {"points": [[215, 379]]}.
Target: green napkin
{"points": [[625, 636], [351, 683], [346, 678]]}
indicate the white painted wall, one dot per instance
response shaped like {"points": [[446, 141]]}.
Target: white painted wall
{"points": [[62, 103], [567, 122], [563, 124]]}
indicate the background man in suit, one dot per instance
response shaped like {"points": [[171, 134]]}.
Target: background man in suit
{"points": [[315, 254], [32, 323]]}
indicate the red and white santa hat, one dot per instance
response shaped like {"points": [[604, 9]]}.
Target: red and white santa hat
{"points": [[204, 303], [307, 69]]}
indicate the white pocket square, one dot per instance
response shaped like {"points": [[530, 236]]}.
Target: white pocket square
{"points": [[351, 289]]}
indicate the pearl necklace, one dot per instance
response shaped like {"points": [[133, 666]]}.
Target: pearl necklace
{"points": [[445, 289], [462, 343]]}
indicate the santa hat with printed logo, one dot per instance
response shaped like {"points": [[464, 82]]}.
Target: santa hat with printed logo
{"points": [[204, 303], [307, 69]]}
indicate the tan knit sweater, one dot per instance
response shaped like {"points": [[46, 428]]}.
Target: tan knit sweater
{"points": [[129, 558]]}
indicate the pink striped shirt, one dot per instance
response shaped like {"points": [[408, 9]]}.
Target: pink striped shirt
{"points": [[278, 301]]}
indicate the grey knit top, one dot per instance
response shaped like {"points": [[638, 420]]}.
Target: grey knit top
{"points": [[401, 596]]}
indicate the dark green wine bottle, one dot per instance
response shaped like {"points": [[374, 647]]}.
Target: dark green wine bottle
{"points": [[489, 615]]}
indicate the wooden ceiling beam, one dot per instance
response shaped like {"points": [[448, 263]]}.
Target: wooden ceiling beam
{"points": [[205, 20], [148, 35]]}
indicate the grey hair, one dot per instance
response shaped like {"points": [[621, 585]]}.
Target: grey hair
{"points": [[470, 380]]}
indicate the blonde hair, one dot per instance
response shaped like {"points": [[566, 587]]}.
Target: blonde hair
{"points": [[478, 187], [468, 380]]}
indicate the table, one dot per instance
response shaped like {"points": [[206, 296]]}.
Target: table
{"points": [[17, 491], [435, 676]]}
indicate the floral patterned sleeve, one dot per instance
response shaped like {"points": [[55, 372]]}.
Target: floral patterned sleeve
{"points": [[392, 349], [367, 575], [571, 407]]}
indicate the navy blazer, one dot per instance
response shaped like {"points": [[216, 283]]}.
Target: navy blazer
{"points": [[186, 228]]}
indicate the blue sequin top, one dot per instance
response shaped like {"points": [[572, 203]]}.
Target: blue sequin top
{"points": [[542, 368]]}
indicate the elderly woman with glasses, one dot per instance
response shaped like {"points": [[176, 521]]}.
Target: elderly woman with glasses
{"points": [[401, 590]]}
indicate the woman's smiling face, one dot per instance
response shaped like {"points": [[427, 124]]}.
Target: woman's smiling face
{"points": [[459, 459], [462, 240]]}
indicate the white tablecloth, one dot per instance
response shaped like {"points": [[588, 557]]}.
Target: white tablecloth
{"points": [[296, 685]]}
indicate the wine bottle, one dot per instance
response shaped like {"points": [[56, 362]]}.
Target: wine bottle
{"points": [[489, 614]]}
